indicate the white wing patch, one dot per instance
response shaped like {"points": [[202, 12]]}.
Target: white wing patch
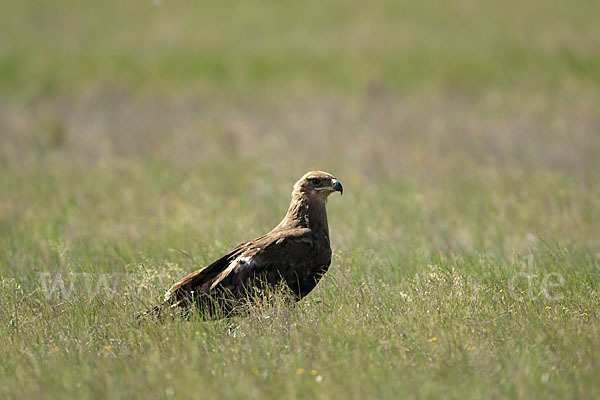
{"points": [[240, 262], [244, 260]]}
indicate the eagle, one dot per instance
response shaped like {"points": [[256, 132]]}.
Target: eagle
{"points": [[293, 255]]}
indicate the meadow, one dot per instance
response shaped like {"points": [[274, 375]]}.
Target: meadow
{"points": [[141, 140]]}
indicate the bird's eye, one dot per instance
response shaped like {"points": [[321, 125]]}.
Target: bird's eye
{"points": [[315, 181]]}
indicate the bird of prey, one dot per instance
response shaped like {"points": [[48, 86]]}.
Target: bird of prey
{"points": [[294, 254]]}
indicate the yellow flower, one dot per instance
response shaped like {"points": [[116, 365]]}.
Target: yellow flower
{"points": [[125, 294], [471, 348], [433, 339], [108, 347], [548, 308], [300, 371], [313, 372], [255, 371], [197, 333], [107, 325], [167, 339], [584, 314]]}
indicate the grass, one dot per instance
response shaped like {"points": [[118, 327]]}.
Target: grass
{"points": [[141, 142]]}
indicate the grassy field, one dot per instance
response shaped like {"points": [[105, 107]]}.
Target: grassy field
{"points": [[141, 140]]}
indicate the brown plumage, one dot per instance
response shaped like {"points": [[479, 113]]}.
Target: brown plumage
{"points": [[296, 253]]}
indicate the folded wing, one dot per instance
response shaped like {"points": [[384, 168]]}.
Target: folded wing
{"points": [[294, 257]]}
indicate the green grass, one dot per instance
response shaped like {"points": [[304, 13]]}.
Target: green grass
{"points": [[141, 142]]}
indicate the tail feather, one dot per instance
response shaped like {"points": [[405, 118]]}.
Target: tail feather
{"points": [[158, 312]]}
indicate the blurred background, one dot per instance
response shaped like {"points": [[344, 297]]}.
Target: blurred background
{"points": [[128, 128]]}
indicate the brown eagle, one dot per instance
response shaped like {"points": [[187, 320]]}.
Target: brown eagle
{"points": [[296, 253]]}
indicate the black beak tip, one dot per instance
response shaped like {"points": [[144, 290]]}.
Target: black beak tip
{"points": [[338, 188]]}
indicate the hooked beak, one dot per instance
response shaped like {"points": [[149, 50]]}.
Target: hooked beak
{"points": [[337, 186]]}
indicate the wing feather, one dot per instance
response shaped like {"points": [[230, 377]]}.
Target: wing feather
{"points": [[292, 255], [195, 280]]}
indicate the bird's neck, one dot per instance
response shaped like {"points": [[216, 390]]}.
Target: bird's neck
{"points": [[305, 212]]}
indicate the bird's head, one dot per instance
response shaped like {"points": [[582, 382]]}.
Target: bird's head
{"points": [[317, 184]]}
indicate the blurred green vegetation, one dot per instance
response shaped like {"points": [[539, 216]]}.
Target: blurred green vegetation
{"points": [[291, 46]]}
